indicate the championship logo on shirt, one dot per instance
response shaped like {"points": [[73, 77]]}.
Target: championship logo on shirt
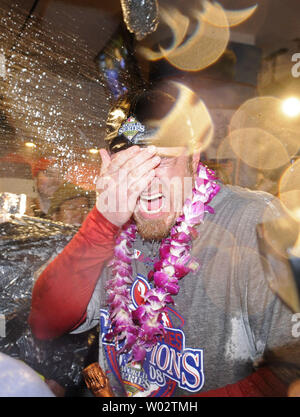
{"points": [[169, 364]]}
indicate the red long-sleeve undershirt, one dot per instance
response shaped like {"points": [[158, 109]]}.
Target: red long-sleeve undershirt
{"points": [[62, 293], [262, 383]]}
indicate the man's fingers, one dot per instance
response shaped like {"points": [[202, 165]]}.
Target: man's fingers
{"points": [[124, 176], [143, 169], [120, 158], [139, 186], [140, 158], [105, 160]]}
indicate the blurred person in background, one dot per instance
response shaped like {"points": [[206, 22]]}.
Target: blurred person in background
{"points": [[47, 178], [70, 204]]}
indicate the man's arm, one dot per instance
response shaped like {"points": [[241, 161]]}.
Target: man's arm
{"points": [[262, 383], [62, 292]]}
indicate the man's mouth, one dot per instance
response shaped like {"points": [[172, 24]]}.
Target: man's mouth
{"points": [[151, 203]]}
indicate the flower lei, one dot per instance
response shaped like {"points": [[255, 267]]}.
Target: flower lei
{"points": [[139, 329]]}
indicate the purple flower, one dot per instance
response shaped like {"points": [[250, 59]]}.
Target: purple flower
{"points": [[194, 212], [158, 265], [181, 237], [177, 251], [121, 267], [161, 278], [138, 353], [181, 270], [152, 328], [156, 298], [119, 303], [172, 259], [130, 335], [172, 288], [121, 254], [121, 292], [139, 314], [164, 251]]}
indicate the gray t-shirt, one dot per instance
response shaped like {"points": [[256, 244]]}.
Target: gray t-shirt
{"points": [[226, 318]]}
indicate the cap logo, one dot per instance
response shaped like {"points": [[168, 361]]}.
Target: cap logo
{"points": [[131, 127]]}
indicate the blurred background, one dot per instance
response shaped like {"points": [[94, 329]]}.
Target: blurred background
{"points": [[64, 63]]}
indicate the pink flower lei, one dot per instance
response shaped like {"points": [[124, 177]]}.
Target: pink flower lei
{"points": [[139, 329]]}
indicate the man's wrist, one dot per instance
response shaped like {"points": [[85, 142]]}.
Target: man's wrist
{"points": [[101, 219]]}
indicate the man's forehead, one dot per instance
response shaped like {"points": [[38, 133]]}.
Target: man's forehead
{"points": [[167, 152], [172, 152], [53, 170]]}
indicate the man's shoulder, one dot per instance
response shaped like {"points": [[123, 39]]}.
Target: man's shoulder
{"points": [[246, 194], [237, 197], [240, 210]]}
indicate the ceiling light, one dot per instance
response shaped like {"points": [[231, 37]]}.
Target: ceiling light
{"points": [[291, 107], [93, 151], [30, 145]]}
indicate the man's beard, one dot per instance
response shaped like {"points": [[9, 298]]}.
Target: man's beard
{"points": [[158, 229], [154, 229]]}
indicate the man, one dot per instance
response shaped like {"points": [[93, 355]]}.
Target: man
{"points": [[48, 179], [180, 292], [70, 204]]}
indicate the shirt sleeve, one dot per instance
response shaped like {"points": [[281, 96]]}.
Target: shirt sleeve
{"points": [[270, 305], [262, 383], [267, 291], [62, 292]]}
